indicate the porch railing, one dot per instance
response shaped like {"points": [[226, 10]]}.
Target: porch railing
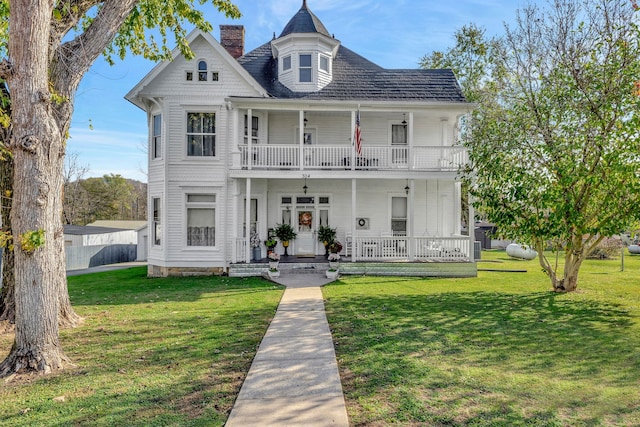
{"points": [[287, 156], [391, 248], [422, 248]]}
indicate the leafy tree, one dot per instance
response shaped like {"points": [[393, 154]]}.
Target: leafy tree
{"points": [[73, 192], [554, 144], [51, 45]]}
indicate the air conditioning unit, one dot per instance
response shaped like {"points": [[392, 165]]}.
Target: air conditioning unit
{"points": [[362, 223]]}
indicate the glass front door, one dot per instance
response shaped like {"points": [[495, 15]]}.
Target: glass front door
{"points": [[306, 239]]}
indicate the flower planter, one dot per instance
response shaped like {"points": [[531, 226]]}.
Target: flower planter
{"points": [[257, 254], [274, 274], [273, 264], [332, 274]]}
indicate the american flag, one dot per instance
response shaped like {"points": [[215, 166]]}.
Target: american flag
{"points": [[357, 136]]}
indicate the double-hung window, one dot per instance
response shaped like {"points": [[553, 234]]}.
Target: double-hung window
{"points": [[156, 138], [254, 129], [201, 219], [156, 225], [201, 134], [399, 216], [305, 68]]}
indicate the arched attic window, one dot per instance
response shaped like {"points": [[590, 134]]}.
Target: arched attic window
{"points": [[202, 71]]}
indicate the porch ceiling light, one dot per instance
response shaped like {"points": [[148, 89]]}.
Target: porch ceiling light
{"points": [[304, 187], [404, 120]]}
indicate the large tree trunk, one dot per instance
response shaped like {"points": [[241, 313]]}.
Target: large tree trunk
{"points": [[7, 300], [37, 144]]}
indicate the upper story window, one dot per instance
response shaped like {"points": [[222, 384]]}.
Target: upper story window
{"points": [[324, 63], [254, 129], [201, 134], [305, 68], [286, 63], [399, 134], [156, 137], [202, 71]]}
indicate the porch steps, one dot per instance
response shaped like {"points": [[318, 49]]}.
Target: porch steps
{"points": [[257, 269], [417, 269]]}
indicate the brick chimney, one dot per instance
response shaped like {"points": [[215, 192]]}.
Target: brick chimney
{"points": [[232, 39]]}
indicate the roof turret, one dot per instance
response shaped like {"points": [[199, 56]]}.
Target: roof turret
{"points": [[304, 22]]}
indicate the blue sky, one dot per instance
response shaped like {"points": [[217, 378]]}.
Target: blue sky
{"points": [[109, 134]]}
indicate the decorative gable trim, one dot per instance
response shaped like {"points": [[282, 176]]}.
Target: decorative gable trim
{"points": [[136, 95]]}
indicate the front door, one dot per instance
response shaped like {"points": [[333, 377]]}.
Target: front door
{"points": [[306, 239]]}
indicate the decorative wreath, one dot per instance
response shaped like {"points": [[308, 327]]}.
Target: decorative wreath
{"points": [[362, 222]]}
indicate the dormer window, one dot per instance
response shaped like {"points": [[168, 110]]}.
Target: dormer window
{"points": [[324, 63], [305, 68], [202, 71], [286, 63]]}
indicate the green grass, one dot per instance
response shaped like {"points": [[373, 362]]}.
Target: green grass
{"points": [[498, 350], [151, 352]]}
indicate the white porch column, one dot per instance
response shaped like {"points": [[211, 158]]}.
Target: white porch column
{"points": [[301, 138], [234, 215], [410, 142], [444, 125], [354, 249], [353, 143], [411, 225], [471, 227], [247, 221], [249, 140]]}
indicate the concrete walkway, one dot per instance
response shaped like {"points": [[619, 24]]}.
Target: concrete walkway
{"points": [[294, 380]]}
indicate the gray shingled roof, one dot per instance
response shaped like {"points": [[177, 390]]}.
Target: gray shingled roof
{"points": [[85, 230], [356, 78], [304, 22]]}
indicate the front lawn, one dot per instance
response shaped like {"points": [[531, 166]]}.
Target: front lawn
{"points": [[498, 350], [151, 352]]}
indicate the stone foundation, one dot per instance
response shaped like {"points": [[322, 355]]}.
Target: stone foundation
{"points": [[158, 271]]}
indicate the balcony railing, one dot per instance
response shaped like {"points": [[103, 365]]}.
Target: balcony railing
{"points": [[287, 156]]}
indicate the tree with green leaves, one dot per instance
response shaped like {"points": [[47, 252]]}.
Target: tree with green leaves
{"points": [[50, 46], [554, 143]]}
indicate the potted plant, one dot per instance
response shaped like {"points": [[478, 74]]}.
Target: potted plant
{"points": [[285, 233], [274, 260], [273, 273], [334, 261], [270, 243], [326, 235], [255, 246], [335, 247]]}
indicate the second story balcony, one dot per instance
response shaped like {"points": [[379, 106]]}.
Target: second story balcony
{"points": [[343, 157]]}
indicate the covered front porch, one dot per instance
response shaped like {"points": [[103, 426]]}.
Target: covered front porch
{"points": [[390, 220]]}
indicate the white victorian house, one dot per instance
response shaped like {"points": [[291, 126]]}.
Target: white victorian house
{"points": [[241, 142]]}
